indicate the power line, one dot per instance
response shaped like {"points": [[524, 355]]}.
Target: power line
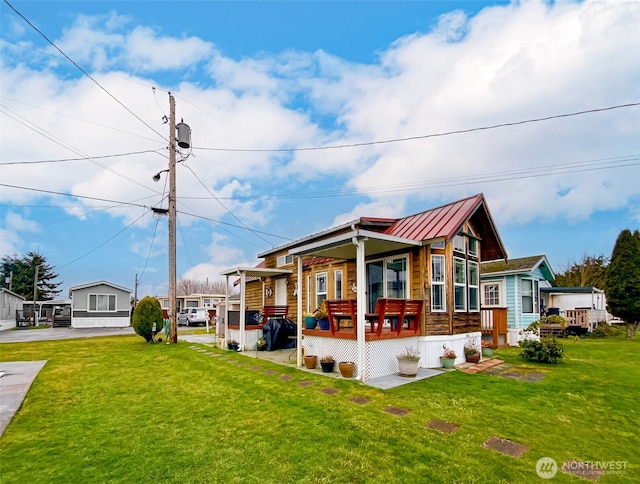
{"points": [[51, 192], [83, 71], [104, 243], [84, 158], [425, 136], [226, 209]]}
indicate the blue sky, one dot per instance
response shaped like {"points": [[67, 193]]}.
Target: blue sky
{"points": [[285, 75]]}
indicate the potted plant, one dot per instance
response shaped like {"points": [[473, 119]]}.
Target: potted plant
{"points": [[310, 361], [327, 363], [408, 361], [233, 345], [310, 321], [322, 316], [347, 368], [448, 358], [261, 345], [471, 351], [487, 349]]}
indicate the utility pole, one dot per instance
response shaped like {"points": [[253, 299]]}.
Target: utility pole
{"points": [[35, 296], [173, 328]]}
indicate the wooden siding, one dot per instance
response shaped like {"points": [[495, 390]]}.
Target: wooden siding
{"points": [[419, 277]]}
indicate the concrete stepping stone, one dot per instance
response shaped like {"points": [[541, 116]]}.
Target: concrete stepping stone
{"points": [[400, 412], [442, 426], [359, 400], [329, 391], [305, 383], [269, 372], [285, 377], [505, 446]]}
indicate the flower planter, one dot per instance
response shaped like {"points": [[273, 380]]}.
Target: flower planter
{"points": [[324, 324], [472, 357], [310, 362], [408, 367], [233, 346], [347, 368], [327, 366], [448, 363], [310, 322], [487, 352]]}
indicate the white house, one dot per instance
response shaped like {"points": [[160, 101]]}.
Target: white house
{"points": [[100, 304], [9, 303]]}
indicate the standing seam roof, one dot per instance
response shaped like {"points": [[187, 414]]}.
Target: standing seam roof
{"points": [[442, 221]]}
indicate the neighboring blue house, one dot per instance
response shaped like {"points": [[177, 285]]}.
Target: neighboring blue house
{"points": [[515, 285]]}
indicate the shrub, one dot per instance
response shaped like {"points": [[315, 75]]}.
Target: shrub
{"points": [[547, 350], [603, 330], [146, 313]]}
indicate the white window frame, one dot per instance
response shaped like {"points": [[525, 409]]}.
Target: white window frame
{"points": [[533, 294], [459, 243], [456, 284], [472, 241], [284, 260], [440, 283], [337, 284], [499, 295], [97, 303], [473, 288], [309, 292], [321, 293]]}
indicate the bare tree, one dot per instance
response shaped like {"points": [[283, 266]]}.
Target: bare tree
{"points": [[185, 287]]}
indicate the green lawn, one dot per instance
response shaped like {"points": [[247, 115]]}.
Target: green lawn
{"points": [[120, 410]]}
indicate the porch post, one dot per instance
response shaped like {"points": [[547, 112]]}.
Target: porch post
{"points": [[226, 315], [361, 285], [299, 331], [243, 280]]}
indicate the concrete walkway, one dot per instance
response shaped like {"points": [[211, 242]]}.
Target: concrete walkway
{"points": [[16, 378]]}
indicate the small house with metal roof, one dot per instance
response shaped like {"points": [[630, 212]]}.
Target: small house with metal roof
{"points": [[374, 269]]}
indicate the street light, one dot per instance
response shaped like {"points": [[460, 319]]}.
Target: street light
{"points": [[184, 142]]}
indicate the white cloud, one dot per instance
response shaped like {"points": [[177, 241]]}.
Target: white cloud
{"points": [[508, 63]]}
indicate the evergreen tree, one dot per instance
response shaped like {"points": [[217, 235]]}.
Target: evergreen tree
{"points": [[623, 280], [19, 274]]}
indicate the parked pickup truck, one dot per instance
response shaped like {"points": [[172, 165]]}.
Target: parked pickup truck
{"points": [[193, 316]]}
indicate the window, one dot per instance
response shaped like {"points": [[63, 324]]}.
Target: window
{"points": [[458, 243], [206, 302], [284, 260], [473, 247], [321, 287], [437, 245], [337, 279], [459, 284], [438, 280], [474, 292], [386, 278], [491, 294], [102, 302], [529, 289]]}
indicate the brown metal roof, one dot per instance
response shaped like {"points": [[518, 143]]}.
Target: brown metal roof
{"points": [[441, 222]]}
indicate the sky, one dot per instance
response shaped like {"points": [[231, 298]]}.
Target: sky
{"points": [[532, 103]]}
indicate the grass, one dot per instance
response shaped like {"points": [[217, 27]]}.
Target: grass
{"points": [[119, 410]]}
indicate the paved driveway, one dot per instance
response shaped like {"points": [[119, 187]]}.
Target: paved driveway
{"points": [[25, 335]]}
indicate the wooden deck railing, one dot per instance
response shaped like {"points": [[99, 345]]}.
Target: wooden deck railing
{"points": [[494, 323], [393, 318]]}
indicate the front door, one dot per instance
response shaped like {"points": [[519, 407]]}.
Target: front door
{"points": [[281, 292]]}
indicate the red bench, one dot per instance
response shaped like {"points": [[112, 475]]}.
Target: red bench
{"points": [[396, 310], [341, 309], [275, 311]]}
